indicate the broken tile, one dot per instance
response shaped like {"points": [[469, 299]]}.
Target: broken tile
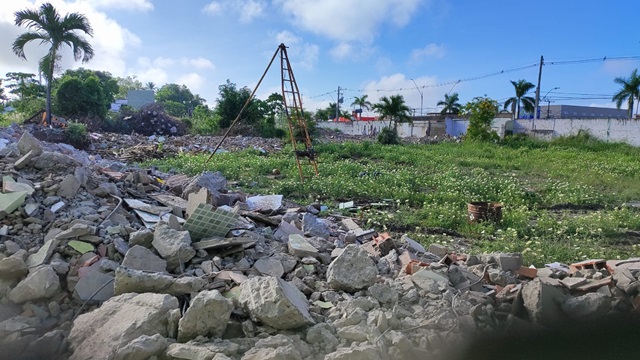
{"points": [[204, 222], [222, 243], [81, 246], [11, 201], [148, 208]]}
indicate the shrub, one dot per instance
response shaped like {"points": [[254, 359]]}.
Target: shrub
{"points": [[388, 137], [481, 111], [76, 134]]}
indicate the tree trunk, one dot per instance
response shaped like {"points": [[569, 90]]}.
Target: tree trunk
{"points": [[518, 112], [631, 106], [49, 85]]}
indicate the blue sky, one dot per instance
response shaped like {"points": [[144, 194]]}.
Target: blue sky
{"points": [[371, 47]]}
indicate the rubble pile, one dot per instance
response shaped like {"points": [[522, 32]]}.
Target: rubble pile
{"points": [[105, 261], [150, 119]]}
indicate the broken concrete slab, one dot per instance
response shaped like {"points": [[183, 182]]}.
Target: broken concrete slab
{"points": [[269, 266], [587, 306], [43, 255], [143, 237], [275, 302], [264, 202], [25, 160], [94, 281], [11, 201], [207, 315], [573, 282], [129, 280], [218, 244], [141, 258], [312, 226], [352, 271], [28, 143], [300, 247], [144, 347], [509, 262], [100, 334], [174, 246], [542, 302], [42, 283]]}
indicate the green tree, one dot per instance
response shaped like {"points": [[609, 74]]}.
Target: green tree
{"points": [[481, 112], [77, 96], [127, 83], [630, 91], [150, 86], [48, 27], [24, 85], [230, 102], [521, 87], [330, 113], [172, 94], [451, 104], [204, 121], [362, 103], [393, 108]]}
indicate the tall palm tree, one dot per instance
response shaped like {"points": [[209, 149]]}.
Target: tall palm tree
{"points": [[47, 27], [151, 85], [630, 91], [394, 108], [451, 104], [522, 87], [362, 102]]}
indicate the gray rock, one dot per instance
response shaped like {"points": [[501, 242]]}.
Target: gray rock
{"points": [[28, 143], [43, 254], [362, 352], [94, 281], [352, 271], [269, 266], [100, 334], [299, 246], [287, 352], [141, 258], [61, 267], [42, 283], [275, 302], [136, 281], [542, 302], [13, 268], [142, 237], [143, 348], [12, 247], [56, 162], [69, 186], [312, 226], [589, 305], [214, 182], [384, 294], [509, 262], [208, 316], [190, 352], [105, 189], [174, 246], [76, 230]]}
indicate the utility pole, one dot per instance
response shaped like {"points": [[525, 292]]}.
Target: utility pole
{"points": [[536, 115], [338, 106], [421, 97]]}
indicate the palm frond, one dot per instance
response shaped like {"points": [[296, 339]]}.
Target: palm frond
{"points": [[21, 41], [81, 47]]}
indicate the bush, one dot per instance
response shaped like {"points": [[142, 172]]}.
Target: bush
{"points": [[481, 111], [388, 137], [76, 134]]}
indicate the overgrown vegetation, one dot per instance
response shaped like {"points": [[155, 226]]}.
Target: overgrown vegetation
{"points": [[563, 200], [481, 112]]}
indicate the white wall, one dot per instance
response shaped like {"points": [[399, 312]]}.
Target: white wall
{"points": [[612, 130], [417, 128]]}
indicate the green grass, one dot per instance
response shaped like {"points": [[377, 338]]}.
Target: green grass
{"points": [[563, 200]]}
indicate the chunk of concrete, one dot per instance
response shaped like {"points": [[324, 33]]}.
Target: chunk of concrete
{"points": [[142, 237], [43, 254], [587, 306], [352, 271], [24, 160], [9, 185], [264, 202], [69, 186], [76, 230], [174, 246], [28, 143], [141, 258], [287, 352], [143, 348], [362, 352], [300, 247], [312, 226], [129, 280], [275, 302], [13, 268], [542, 302], [268, 266], [56, 162], [509, 262], [94, 281], [101, 333], [11, 201], [207, 315], [42, 283]]}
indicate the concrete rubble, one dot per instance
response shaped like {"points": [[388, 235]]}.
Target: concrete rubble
{"points": [[95, 278]]}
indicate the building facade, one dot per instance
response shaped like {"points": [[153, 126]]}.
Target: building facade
{"points": [[581, 112]]}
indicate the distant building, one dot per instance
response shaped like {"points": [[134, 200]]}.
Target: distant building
{"points": [[581, 112], [139, 98], [115, 107]]}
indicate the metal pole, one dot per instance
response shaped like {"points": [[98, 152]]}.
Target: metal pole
{"points": [[338, 106], [421, 97], [535, 110]]}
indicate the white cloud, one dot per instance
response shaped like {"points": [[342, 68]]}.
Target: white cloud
{"points": [[348, 20], [341, 51], [198, 63], [129, 5], [430, 51], [193, 81], [621, 68], [305, 54], [246, 10]]}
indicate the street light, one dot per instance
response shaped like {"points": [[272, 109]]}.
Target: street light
{"points": [[549, 101], [421, 97]]}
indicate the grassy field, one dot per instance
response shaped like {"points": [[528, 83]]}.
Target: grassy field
{"points": [[563, 201]]}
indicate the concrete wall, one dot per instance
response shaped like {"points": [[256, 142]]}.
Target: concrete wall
{"points": [[138, 98], [372, 128], [613, 130]]}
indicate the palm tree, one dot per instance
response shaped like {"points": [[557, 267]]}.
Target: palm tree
{"points": [[362, 102], [630, 91], [522, 87], [151, 85], [47, 27], [451, 104], [394, 108]]}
